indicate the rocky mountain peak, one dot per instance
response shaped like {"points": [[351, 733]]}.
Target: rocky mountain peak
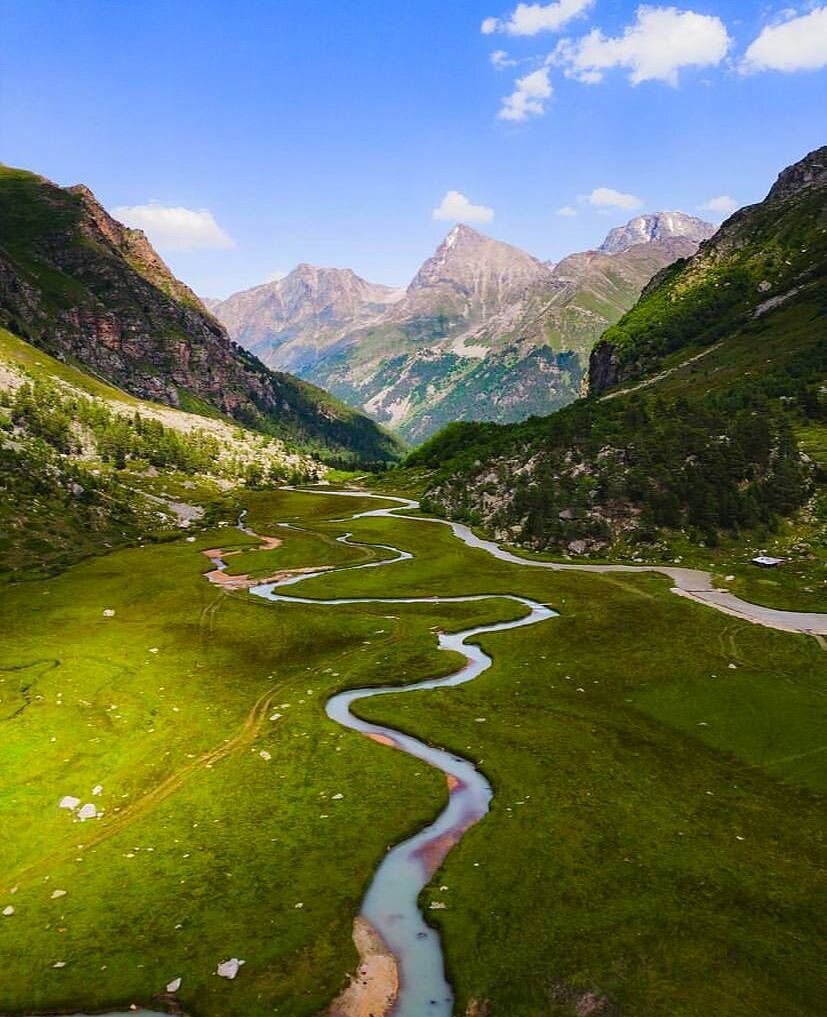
{"points": [[811, 171], [645, 229], [473, 263]]}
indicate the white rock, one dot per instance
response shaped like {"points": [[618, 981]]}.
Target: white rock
{"points": [[8, 911], [337, 798], [58, 893], [97, 789], [174, 985], [299, 905], [59, 964], [265, 755], [438, 905], [153, 649], [69, 802], [109, 613], [87, 812], [229, 969], [276, 716]]}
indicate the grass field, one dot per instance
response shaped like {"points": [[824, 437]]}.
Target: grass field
{"points": [[658, 772]]}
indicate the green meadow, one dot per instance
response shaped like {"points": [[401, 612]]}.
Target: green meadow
{"points": [[659, 769]]}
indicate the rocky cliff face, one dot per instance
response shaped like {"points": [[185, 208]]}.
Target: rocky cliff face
{"points": [[485, 331], [762, 257], [644, 229], [86, 288]]}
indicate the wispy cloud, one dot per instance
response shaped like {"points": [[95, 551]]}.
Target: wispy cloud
{"points": [[531, 19], [528, 98], [567, 211], [455, 207], [500, 59], [798, 44], [173, 228], [721, 206], [608, 197], [661, 42]]}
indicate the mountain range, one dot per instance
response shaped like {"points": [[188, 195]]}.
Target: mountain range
{"points": [[484, 331]]}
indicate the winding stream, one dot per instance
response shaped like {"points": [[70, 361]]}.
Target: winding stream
{"points": [[390, 904]]}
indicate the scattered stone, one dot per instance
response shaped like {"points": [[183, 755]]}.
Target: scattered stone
{"points": [[153, 649], [174, 985], [59, 964], [276, 716], [69, 802], [8, 911], [109, 613], [89, 811], [97, 789], [58, 893], [229, 969], [437, 905], [265, 755], [337, 798], [299, 905]]}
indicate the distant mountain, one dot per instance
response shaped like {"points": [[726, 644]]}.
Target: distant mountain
{"points": [[87, 289], [644, 229], [289, 322], [485, 331], [708, 408]]}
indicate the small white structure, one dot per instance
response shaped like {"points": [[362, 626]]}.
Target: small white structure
{"points": [[765, 561]]}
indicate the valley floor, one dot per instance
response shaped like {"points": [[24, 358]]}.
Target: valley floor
{"points": [[653, 846]]}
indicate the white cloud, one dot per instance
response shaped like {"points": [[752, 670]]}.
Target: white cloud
{"points": [[528, 98], [567, 211], [722, 205], [799, 44], [530, 19], [500, 59], [174, 228], [607, 197], [457, 208], [660, 42]]}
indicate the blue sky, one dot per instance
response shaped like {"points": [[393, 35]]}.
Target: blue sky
{"points": [[250, 136]]}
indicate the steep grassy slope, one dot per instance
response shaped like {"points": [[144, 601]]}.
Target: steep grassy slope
{"points": [[82, 286], [85, 466], [762, 257], [717, 433]]}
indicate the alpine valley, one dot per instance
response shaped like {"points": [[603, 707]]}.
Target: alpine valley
{"points": [[296, 721], [485, 331]]}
